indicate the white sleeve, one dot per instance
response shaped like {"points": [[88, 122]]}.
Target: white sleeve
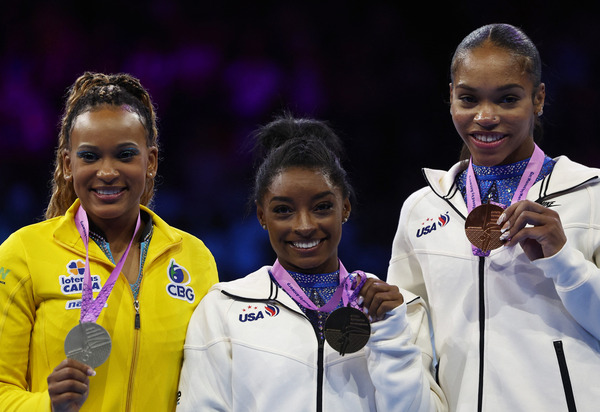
{"points": [[577, 282], [205, 381], [400, 361]]}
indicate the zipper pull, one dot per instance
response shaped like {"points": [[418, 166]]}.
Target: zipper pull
{"points": [[136, 305]]}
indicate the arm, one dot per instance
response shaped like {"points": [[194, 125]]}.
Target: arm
{"points": [[17, 317], [205, 381], [577, 283], [576, 277], [399, 357]]}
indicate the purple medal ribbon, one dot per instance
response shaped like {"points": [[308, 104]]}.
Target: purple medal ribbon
{"points": [[347, 283], [90, 307], [534, 166]]}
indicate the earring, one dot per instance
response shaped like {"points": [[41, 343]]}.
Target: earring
{"points": [[264, 226], [345, 220], [67, 177], [540, 113]]}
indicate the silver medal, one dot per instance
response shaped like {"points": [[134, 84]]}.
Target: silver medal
{"points": [[88, 343]]}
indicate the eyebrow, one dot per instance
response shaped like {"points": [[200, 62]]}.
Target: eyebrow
{"points": [[501, 88], [88, 146], [287, 199]]}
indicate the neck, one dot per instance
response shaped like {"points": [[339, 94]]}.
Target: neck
{"points": [[118, 234]]}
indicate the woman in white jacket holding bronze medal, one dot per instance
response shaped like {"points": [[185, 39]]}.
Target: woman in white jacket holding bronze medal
{"points": [[304, 334], [510, 265]]}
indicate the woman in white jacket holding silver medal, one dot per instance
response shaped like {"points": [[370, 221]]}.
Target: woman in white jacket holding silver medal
{"points": [[304, 334], [509, 266]]}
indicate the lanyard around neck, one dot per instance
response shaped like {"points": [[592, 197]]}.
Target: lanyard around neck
{"points": [[90, 307], [285, 280]]}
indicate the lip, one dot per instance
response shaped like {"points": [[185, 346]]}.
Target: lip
{"points": [[108, 193], [487, 139], [305, 245]]}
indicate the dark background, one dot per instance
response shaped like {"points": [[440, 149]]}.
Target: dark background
{"points": [[377, 71]]}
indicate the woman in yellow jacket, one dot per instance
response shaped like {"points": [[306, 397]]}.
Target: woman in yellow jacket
{"points": [[125, 349]]}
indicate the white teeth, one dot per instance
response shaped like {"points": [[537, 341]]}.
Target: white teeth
{"points": [[305, 245], [108, 191], [488, 138]]}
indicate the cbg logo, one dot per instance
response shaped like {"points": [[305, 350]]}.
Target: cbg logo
{"points": [[179, 277], [431, 224], [252, 313]]}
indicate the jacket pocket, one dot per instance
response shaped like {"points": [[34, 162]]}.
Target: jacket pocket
{"points": [[564, 374]]}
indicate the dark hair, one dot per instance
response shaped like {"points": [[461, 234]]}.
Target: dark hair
{"points": [[506, 37], [298, 142], [90, 91], [512, 39]]}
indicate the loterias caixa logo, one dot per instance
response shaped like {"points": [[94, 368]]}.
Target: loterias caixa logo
{"points": [[72, 283], [180, 278]]}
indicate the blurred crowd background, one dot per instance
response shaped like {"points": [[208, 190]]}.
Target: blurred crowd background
{"points": [[376, 71]]}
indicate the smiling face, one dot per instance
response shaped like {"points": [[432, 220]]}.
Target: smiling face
{"points": [[109, 162], [493, 106], [303, 213]]}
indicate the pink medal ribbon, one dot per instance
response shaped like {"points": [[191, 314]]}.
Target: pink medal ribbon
{"points": [[90, 307], [347, 284], [534, 166]]}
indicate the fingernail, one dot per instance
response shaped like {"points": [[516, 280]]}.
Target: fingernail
{"points": [[91, 372], [505, 227], [370, 319], [501, 219], [504, 236], [360, 300], [366, 311]]}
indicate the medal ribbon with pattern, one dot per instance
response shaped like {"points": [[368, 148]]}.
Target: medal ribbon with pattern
{"points": [[534, 166], [347, 283], [90, 307], [347, 329]]}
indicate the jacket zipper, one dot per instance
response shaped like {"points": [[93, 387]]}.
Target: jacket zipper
{"points": [[564, 374], [320, 374], [136, 325], [481, 331]]}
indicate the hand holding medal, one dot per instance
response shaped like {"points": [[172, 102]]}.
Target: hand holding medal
{"points": [[536, 228], [482, 225]]}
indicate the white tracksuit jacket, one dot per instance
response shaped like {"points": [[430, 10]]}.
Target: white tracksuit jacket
{"points": [[511, 334], [250, 348]]}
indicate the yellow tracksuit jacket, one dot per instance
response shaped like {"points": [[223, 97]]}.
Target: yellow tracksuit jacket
{"points": [[41, 273]]}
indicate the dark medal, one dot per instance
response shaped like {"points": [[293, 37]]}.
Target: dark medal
{"points": [[88, 343], [481, 228], [347, 330]]}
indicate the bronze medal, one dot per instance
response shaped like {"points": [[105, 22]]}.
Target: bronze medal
{"points": [[347, 330], [88, 343], [481, 228]]}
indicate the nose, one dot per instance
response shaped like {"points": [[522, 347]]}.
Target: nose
{"points": [[107, 171], [304, 224], [486, 116]]}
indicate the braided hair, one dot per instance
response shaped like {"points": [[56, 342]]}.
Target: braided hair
{"points": [[90, 91]]}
